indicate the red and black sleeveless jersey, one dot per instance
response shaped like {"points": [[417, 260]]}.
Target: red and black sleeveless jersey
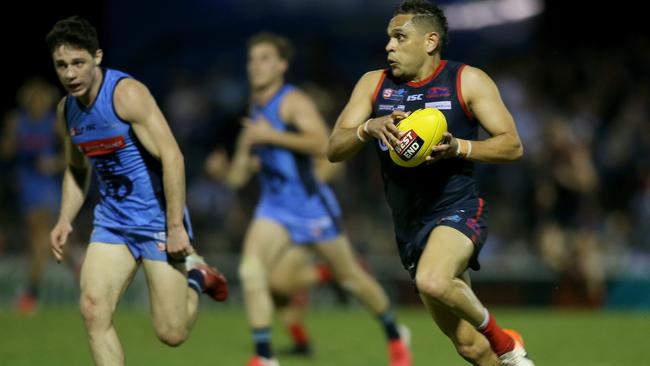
{"points": [[414, 193]]}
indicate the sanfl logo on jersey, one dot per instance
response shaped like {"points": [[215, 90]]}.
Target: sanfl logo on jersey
{"points": [[394, 94]]}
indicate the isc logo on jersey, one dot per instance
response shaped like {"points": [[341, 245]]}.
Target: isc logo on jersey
{"points": [[422, 129], [414, 97]]}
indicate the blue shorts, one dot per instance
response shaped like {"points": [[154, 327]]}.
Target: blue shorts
{"points": [[469, 217], [143, 244], [309, 221]]}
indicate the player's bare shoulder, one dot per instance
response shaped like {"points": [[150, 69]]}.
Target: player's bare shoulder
{"points": [[296, 101], [370, 79], [128, 88], [131, 98], [296, 96], [475, 81]]}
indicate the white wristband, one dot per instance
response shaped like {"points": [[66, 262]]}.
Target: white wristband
{"points": [[359, 135], [467, 153], [365, 128]]}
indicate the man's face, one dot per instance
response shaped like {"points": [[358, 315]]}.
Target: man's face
{"points": [[406, 46], [75, 68], [264, 65]]}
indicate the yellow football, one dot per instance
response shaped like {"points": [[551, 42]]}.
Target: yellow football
{"points": [[422, 130]]}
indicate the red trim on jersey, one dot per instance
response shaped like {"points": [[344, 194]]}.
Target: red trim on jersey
{"points": [[459, 93], [433, 75], [102, 147], [381, 81], [479, 212]]}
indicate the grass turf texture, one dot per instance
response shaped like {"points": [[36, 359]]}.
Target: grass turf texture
{"points": [[341, 337]]}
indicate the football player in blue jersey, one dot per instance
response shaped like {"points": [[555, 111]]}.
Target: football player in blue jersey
{"points": [[282, 135], [31, 141], [115, 128], [439, 217]]}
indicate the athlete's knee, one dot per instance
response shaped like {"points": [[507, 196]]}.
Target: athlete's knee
{"points": [[95, 312], [434, 286], [172, 335], [252, 274]]}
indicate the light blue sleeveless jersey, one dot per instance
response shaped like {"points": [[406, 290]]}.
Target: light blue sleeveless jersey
{"points": [[291, 193], [130, 179]]}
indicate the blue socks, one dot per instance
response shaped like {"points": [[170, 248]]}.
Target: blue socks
{"points": [[195, 281], [262, 340], [388, 321]]}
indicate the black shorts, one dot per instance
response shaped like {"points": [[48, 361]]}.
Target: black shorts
{"points": [[468, 216]]}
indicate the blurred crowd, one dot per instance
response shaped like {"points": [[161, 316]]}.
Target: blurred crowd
{"points": [[579, 201]]}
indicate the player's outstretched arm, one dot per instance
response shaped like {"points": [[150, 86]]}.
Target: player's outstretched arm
{"points": [[135, 104], [353, 127], [484, 101], [76, 179]]}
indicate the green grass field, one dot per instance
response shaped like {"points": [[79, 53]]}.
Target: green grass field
{"points": [[341, 337]]}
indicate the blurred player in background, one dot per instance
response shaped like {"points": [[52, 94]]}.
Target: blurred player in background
{"points": [[568, 240], [439, 218], [282, 134], [114, 125], [296, 272], [31, 140]]}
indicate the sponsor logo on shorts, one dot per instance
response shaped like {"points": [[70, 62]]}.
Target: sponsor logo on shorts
{"points": [[161, 240], [452, 218], [318, 226]]}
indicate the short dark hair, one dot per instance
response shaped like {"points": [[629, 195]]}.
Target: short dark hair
{"points": [[281, 44], [74, 31], [426, 14]]}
